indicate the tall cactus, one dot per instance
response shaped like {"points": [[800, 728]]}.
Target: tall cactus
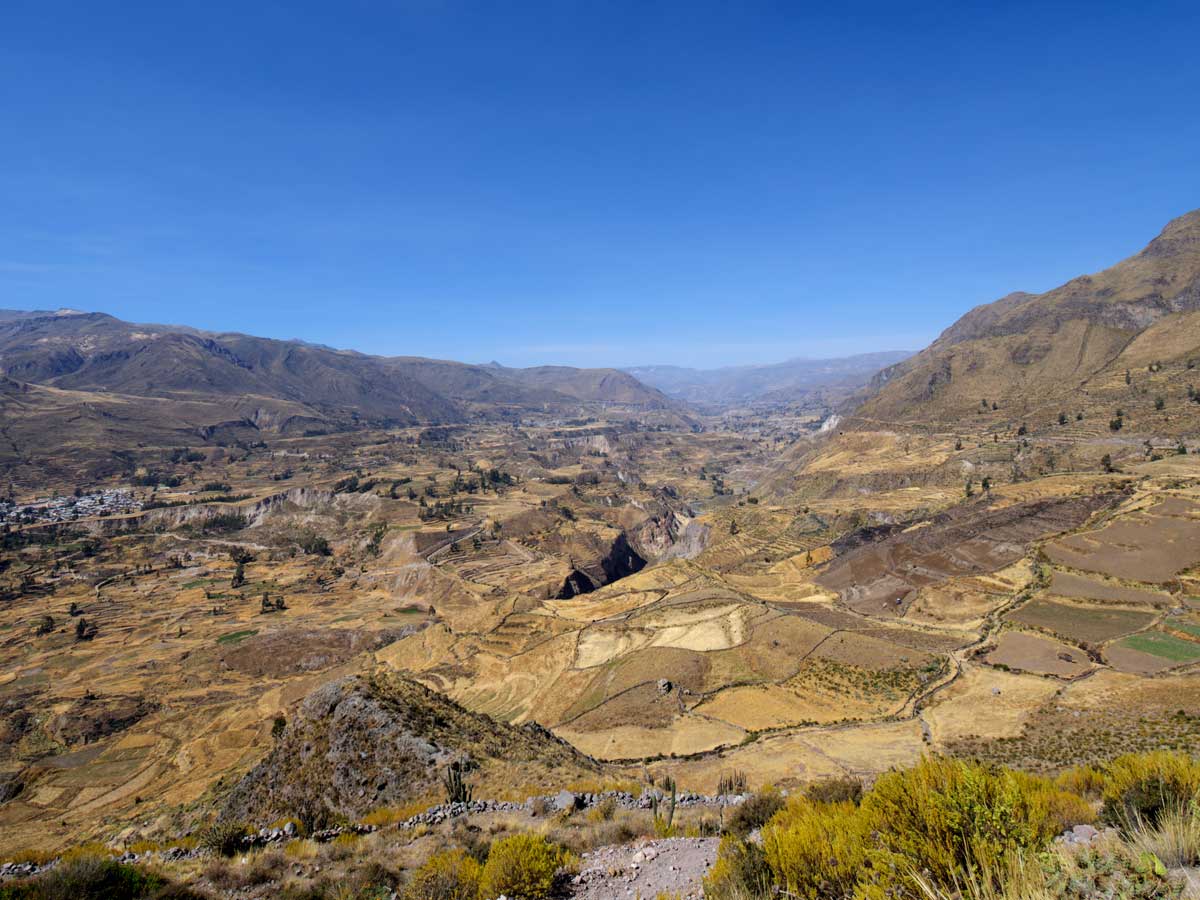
{"points": [[664, 819], [457, 789]]}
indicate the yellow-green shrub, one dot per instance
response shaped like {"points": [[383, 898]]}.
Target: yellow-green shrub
{"points": [[522, 866], [30, 855], [300, 848], [449, 875], [1086, 781], [602, 811], [382, 816], [1062, 808], [949, 818], [816, 849], [847, 789], [739, 873], [1140, 786], [88, 849]]}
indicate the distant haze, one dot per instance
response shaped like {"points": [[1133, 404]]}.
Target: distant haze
{"points": [[777, 382]]}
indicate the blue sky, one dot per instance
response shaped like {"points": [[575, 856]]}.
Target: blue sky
{"points": [[586, 183]]}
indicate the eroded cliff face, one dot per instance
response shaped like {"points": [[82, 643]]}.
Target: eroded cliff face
{"points": [[666, 531], [620, 560]]}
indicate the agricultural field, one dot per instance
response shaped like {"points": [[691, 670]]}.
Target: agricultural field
{"points": [[1039, 655], [1080, 623], [666, 601], [1151, 545]]}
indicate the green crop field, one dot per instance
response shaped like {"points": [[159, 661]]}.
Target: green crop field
{"points": [[1156, 643]]}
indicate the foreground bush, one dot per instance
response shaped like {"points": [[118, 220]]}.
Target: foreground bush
{"points": [[950, 818], [1111, 871], [1140, 787], [835, 790], [1174, 838], [740, 872], [90, 876], [522, 866], [223, 838], [817, 849], [451, 875], [1087, 781], [755, 811]]}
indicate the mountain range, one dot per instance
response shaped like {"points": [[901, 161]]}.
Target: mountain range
{"points": [[80, 388], [96, 352], [1127, 337], [772, 383]]}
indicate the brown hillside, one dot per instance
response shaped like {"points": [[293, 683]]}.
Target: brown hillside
{"points": [[1069, 347]]}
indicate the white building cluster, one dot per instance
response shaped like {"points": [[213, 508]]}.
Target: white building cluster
{"points": [[69, 508]]}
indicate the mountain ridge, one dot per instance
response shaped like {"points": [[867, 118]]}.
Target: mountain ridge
{"points": [[97, 352], [1078, 340]]}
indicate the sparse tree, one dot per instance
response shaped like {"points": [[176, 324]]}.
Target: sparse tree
{"points": [[1160, 403]]}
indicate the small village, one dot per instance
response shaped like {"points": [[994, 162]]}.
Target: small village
{"points": [[69, 508]]}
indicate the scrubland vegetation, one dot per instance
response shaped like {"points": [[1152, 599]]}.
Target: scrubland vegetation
{"points": [[944, 828], [950, 828]]}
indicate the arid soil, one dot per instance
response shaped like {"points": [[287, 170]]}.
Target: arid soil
{"points": [[673, 866]]}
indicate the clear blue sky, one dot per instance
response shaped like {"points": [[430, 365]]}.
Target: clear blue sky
{"points": [[589, 183]]}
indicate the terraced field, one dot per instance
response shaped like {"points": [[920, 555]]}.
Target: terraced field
{"points": [[790, 626]]}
